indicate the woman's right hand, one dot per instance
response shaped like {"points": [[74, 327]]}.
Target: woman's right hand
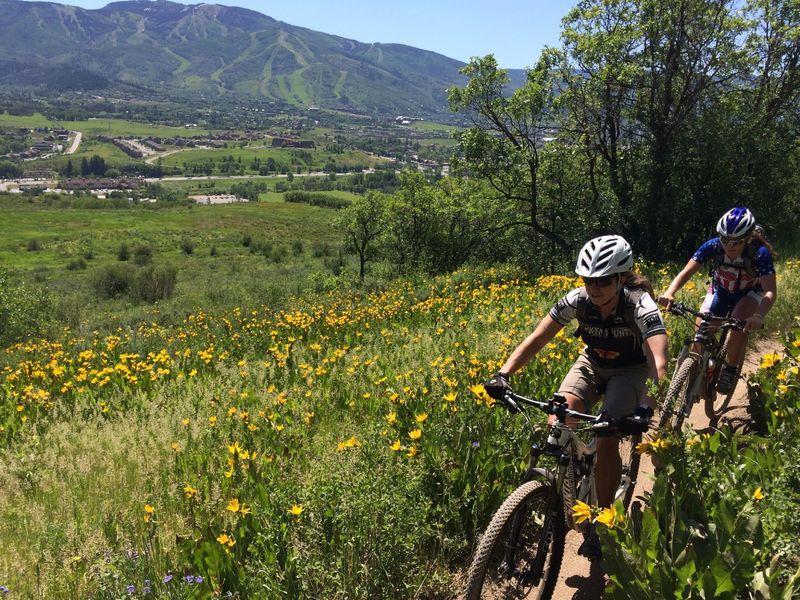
{"points": [[666, 299], [497, 386]]}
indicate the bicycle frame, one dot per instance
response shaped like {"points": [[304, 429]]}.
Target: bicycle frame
{"points": [[572, 477], [569, 450], [711, 347]]}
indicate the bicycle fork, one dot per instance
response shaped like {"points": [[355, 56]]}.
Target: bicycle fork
{"points": [[536, 570]]}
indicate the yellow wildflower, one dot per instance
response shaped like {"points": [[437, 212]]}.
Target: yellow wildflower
{"points": [[758, 494], [415, 434], [610, 517], [581, 511], [296, 510], [233, 505]]}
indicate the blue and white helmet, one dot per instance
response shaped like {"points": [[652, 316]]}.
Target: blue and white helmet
{"points": [[604, 255], [736, 223]]}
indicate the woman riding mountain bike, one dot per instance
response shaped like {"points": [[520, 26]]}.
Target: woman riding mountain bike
{"points": [[742, 286], [626, 343]]}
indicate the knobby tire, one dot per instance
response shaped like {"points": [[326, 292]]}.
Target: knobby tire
{"points": [[716, 404], [677, 404], [490, 576], [631, 460]]}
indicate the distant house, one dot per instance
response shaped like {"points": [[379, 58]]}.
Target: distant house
{"points": [[217, 199], [98, 183], [43, 146]]}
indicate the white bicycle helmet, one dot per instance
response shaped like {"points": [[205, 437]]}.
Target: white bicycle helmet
{"points": [[604, 255], [736, 223]]}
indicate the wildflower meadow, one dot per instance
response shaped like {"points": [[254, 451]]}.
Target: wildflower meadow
{"points": [[340, 449]]}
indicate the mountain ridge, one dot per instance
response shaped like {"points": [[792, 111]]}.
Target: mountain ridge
{"points": [[211, 50]]}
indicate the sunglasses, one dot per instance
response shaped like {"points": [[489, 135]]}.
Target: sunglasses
{"points": [[728, 241], [600, 281]]}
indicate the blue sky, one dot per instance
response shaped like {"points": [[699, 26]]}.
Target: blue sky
{"points": [[513, 30]]}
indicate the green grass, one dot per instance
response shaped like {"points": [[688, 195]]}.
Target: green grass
{"points": [[443, 142], [431, 126], [110, 127], [234, 274]]}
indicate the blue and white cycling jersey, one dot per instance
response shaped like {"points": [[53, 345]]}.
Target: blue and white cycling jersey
{"points": [[731, 275]]}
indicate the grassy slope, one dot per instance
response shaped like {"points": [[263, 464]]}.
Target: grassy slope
{"points": [[403, 353], [234, 275]]}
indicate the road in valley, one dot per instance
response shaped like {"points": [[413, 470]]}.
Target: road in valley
{"points": [[75, 143]]}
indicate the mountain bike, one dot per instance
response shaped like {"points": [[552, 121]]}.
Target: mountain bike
{"points": [[697, 372], [520, 553]]}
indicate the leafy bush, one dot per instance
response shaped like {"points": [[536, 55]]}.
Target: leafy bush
{"points": [[24, 311], [721, 517], [316, 199], [78, 264], [319, 249], [154, 283], [123, 253], [34, 245], [113, 280], [187, 246], [143, 255]]}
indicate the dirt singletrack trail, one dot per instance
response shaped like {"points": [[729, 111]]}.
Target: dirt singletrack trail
{"points": [[581, 579]]}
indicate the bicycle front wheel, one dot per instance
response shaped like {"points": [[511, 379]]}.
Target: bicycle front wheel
{"points": [[716, 403], [520, 553], [630, 468], [680, 396]]}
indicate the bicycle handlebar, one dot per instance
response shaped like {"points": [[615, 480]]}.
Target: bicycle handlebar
{"points": [[677, 308], [557, 406]]}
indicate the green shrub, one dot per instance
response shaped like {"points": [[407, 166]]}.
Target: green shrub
{"points": [[154, 283], [320, 249], [123, 253], [77, 264], [187, 246], [113, 280], [34, 245], [25, 311], [143, 255]]}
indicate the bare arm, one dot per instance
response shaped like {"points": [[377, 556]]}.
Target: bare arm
{"points": [[657, 358], [545, 331], [769, 286], [680, 280]]}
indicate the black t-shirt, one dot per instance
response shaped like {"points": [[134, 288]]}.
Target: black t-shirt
{"points": [[617, 340]]}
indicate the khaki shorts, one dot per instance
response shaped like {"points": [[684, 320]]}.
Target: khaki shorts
{"points": [[625, 387]]}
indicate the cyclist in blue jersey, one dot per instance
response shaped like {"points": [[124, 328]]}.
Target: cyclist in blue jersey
{"points": [[742, 284]]}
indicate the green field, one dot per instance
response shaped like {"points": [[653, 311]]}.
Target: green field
{"points": [[294, 240], [431, 126], [109, 127]]}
